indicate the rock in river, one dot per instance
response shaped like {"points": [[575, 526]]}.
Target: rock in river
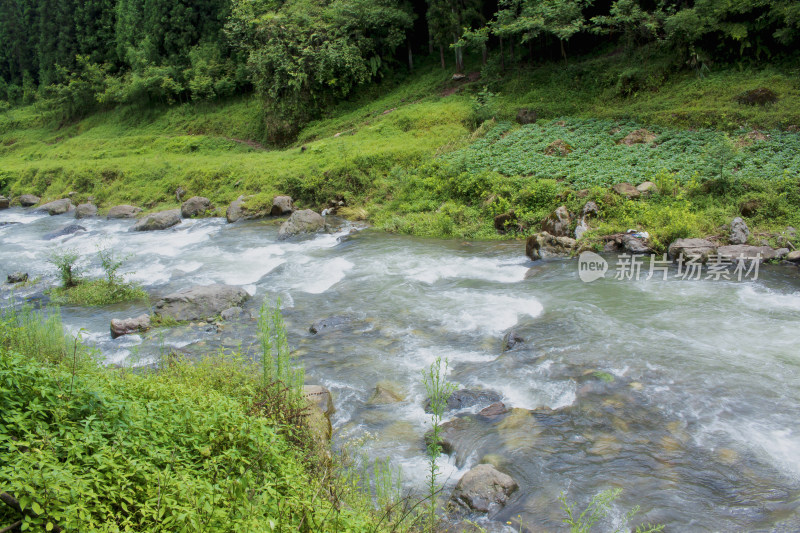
{"points": [[332, 322], [195, 206], [56, 207], [159, 221], [4, 202], [319, 396], [66, 230], [28, 200], [85, 211], [200, 302], [282, 205], [305, 221], [464, 398], [17, 277], [543, 245], [120, 327], [691, 248], [484, 489], [123, 211]]}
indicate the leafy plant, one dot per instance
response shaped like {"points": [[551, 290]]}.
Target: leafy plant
{"points": [[66, 261], [439, 391], [597, 509]]}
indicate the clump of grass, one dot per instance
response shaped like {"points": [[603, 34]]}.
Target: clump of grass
{"points": [[77, 291]]}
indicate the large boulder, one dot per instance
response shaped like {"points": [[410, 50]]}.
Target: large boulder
{"points": [[544, 245], [558, 222], [56, 207], [689, 248], [85, 211], [794, 257], [305, 221], [195, 206], [126, 326], [28, 200], [739, 231], [123, 211], [319, 396], [765, 253], [200, 302], [282, 205], [626, 189], [484, 489], [159, 221], [4, 202], [66, 230], [235, 210], [511, 339]]}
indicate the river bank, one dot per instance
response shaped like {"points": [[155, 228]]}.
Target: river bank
{"points": [[657, 386]]}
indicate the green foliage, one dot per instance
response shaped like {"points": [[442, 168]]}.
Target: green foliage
{"points": [[439, 391], [88, 448], [76, 291], [276, 358], [597, 509], [66, 261]]}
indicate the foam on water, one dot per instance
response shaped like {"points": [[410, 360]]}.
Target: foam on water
{"points": [[766, 299], [428, 270], [471, 310], [316, 277]]}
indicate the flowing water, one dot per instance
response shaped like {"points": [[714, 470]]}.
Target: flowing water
{"points": [[686, 394]]}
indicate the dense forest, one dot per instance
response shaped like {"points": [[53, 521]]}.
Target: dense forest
{"points": [[301, 55]]}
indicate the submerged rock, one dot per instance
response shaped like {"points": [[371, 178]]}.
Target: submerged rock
{"points": [[28, 200], [386, 392], [484, 489], [558, 222], [496, 409], [464, 398], [195, 206], [739, 231], [332, 322], [511, 339], [305, 221], [123, 211], [231, 314], [66, 230], [56, 207], [200, 302], [159, 221], [321, 397], [85, 211], [17, 277], [120, 327]]}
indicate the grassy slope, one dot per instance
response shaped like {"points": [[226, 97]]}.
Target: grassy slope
{"points": [[389, 132]]}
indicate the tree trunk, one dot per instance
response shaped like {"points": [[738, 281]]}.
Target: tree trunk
{"points": [[511, 47], [530, 52], [484, 55], [410, 57], [563, 51], [441, 55], [502, 56]]}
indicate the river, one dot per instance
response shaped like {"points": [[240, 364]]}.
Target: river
{"points": [[686, 394]]}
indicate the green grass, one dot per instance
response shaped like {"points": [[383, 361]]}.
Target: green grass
{"points": [[398, 152], [185, 448], [97, 292]]}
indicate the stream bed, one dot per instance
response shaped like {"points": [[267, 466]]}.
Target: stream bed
{"points": [[685, 394]]}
